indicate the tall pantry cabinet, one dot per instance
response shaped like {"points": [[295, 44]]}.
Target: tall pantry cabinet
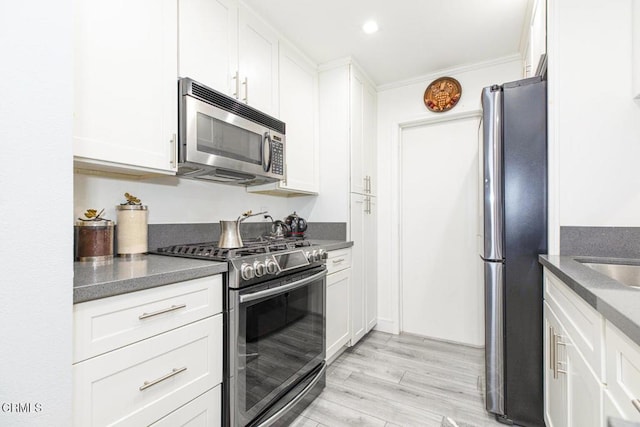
{"points": [[345, 85]]}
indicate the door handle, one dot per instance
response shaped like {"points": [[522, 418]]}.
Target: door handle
{"points": [[236, 77], [246, 90]]}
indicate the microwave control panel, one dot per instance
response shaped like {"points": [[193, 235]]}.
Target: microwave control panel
{"points": [[277, 157]]}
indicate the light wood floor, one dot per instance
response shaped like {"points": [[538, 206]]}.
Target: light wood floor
{"points": [[401, 380]]}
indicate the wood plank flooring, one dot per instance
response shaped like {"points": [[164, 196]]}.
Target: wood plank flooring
{"points": [[401, 380]]}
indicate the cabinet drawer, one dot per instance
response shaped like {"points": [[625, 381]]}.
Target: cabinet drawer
{"points": [[205, 410], [139, 384], [623, 372], [103, 325], [582, 323], [338, 260]]}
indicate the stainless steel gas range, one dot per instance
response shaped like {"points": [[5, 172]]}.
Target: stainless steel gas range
{"points": [[275, 327]]}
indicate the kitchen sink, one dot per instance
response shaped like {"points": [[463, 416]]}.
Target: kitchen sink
{"points": [[627, 274]]}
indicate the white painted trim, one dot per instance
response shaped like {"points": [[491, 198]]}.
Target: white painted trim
{"points": [[342, 62], [525, 33], [553, 149], [336, 63], [387, 325], [451, 71], [439, 119], [396, 206]]}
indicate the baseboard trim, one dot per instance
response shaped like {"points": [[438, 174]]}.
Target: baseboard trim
{"points": [[388, 326]]}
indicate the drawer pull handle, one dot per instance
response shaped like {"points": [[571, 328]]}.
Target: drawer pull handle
{"points": [[336, 261], [636, 403], [174, 372], [164, 310]]}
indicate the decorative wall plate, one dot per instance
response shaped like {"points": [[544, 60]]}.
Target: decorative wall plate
{"points": [[442, 94]]}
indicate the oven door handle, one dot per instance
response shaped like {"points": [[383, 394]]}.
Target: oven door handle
{"points": [[272, 419], [281, 289]]}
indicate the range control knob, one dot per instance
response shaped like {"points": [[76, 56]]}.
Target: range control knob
{"points": [[247, 271], [272, 266], [323, 254], [308, 255], [259, 268]]}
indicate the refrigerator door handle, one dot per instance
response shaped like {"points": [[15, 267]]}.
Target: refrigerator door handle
{"points": [[492, 174], [494, 336]]}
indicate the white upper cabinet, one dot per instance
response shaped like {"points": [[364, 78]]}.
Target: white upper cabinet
{"points": [[208, 42], [225, 46], [363, 127], [299, 110], [125, 97], [258, 63]]}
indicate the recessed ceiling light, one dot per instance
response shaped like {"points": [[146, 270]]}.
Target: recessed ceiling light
{"points": [[370, 27]]}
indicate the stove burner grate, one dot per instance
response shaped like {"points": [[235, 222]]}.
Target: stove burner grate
{"points": [[210, 250]]}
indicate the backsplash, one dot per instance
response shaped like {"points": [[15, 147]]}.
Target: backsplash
{"points": [[170, 234], [173, 200], [615, 242]]}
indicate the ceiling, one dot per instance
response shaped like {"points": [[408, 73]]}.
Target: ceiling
{"points": [[416, 37]]}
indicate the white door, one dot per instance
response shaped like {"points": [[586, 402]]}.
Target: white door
{"points": [[442, 290]]}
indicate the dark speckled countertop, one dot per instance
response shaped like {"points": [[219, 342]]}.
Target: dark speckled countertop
{"points": [[120, 276], [617, 303]]}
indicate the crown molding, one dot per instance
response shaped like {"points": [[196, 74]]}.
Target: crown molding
{"points": [[451, 72]]}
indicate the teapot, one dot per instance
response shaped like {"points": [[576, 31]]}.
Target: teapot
{"points": [[297, 225], [278, 228]]}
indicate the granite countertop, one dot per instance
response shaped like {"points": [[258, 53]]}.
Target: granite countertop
{"points": [[616, 422], [617, 303], [119, 276], [331, 245]]}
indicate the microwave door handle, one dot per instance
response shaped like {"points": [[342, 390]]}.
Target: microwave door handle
{"points": [[266, 152]]}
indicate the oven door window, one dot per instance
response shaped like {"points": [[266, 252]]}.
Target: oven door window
{"points": [[220, 138], [281, 339]]}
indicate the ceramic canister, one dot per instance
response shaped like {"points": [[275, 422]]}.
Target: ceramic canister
{"points": [[131, 230]]}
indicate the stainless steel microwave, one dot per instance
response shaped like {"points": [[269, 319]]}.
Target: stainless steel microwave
{"points": [[223, 140]]}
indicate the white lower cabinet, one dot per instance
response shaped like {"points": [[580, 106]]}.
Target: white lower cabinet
{"points": [[338, 333], [623, 374], [204, 411], [556, 405], [161, 359], [584, 390], [573, 394], [597, 366]]}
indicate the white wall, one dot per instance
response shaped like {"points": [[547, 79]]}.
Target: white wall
{"points": [[178, 200], [35, 205], [403, 104], [594, 122]]}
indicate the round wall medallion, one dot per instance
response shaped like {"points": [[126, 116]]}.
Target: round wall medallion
{"points": [[442, 94]]}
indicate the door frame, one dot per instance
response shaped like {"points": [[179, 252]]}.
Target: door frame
{"points": [[396, 203]]}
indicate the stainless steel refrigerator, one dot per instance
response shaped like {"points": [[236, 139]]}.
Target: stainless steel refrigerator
{"points": [[513, 177]]}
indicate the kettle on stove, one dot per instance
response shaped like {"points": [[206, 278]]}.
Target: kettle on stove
{"points": [[297, 225]]}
